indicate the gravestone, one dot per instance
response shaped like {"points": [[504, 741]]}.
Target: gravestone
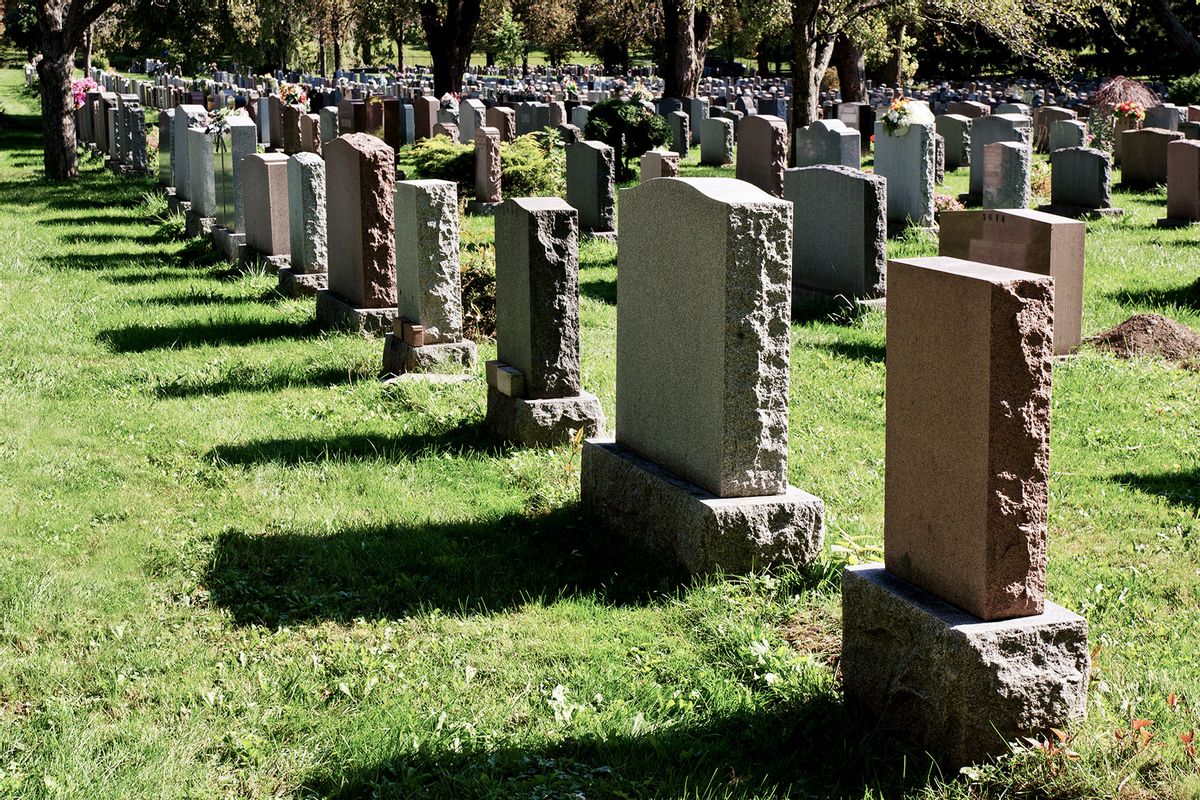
{"points": [[289, 120], [1166, 116], [1066, 133], [658, 164], [308, 226], [471, 115], [360, 174], [1080, 183], [762, 153], [427, 333], [447, 129], [1020, 109], [970, 109], [166, 123], [238, 140], [1030, 241], [186, 117], [579, 116], [535, 397], [1006, 167], [697, 110], [1144, 156], [681, 134], [202, 193], [716, 142], [952, 642], [329, 124], [956, 130], [989, 130], [839, 231], [425, 111], [310, 133], [1183, 183], [504, 120], [1120, 126], [265, 194], [1044, 118], [591, 177], [487, 171], [860, 117], [698, 467], [906, 161], [828, 141]]}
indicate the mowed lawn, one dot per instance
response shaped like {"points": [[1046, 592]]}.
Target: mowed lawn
{"points": [[235, 564]]}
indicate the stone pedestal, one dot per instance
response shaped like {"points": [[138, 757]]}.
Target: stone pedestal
{"points": [[229, 244], [544, 421], [953, 683], [702, 532], [400, 357], [293, 283], [333, 311]]}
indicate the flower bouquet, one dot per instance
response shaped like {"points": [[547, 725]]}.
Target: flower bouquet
{"points": [[292, 94], [898, 118], [80, 89], [1129, 110], [640, 93]]}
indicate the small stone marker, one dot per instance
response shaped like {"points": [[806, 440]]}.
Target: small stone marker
{"points": [[309, 227], [361, 181], [828, 141], [265, 193], [534, 389], [840, 231], [658, 164], [591, 178], [1144, 156], [698, 468], [681, 132], [716, 141], [427, 333], [965, 509], [1030, 241], [1066, 133], [487, 171], [989, 130], [1183, 183], [1080, 183], [906, 161], [762, 145], [1006, 167]]}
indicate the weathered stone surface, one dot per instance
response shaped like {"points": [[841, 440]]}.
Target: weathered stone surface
{"points": [[487, 165], [333, 312], [447, 129], [186, 116], [265, 187], [969, 108], [428, 287], [1066, 133], [716, 141], [591, 181], [968, 433], [400, 358], [706, 287], [658, 164], [201, 175], [471, 115], [310, 133], [504, 120], [306, 212], [1029, 241], [701, 531], [1144, 156], [681, 132], [1080, 177], [329, 123], [544, 422], [762, 148], [537, 294], [289, 116], [957, 685], [828, 141], [1183, 180], [1006, 167], [839, 244], [989, 130], [906, 161], [1044, 118], [361, 181]]}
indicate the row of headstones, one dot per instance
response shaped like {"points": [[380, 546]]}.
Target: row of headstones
{"points": [[114, 125]]}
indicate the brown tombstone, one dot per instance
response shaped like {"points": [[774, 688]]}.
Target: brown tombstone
{"points": [[361, 181], [265, 188], [345, 109], [1183, 180], [291, 115], [310, 133], [368, 117], [425, 114], [487, 165], [1144, 156], [447, 129], [1030, 241], [504, 120], [968, 433], [762, 152]]}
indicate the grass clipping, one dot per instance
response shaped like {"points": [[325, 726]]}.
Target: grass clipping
{"points": [[1152, 335]]}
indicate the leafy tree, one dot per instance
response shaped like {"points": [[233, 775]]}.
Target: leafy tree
{"points": [[629, 128], [613, 30], [549, 26], [450, 33], [21, 25], [508, 40]]}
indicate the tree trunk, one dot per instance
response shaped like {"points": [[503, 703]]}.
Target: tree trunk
{"points": [[87, 52], [321, 55], [893, 70], [58, 106], [450, 36], [400, 52], [336, 32], [681, 24], [810, 59], [763, 57], [1188, 46], [365, 46], [851, 70]]}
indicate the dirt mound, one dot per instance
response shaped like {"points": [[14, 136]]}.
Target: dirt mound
{"points": [[1151, 335]]}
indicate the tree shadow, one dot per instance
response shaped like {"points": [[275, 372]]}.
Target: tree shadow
{"points": [[819, 746], [259, 383], [856, 351], [101, 238], [142, 338], [92, 262], [835, 310], [604, 291], [152, 276], [391, 571], [1180, 488], [198, 298], [1180, 296]]}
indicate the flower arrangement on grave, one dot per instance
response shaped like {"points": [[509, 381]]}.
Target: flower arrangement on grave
{"points": [[1129, 110], [292, 94], [898, 118], [80, 89], [450, 101], [639, 93], [570, 86], [218, 125]]}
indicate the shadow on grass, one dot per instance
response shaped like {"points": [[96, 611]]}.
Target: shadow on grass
{"points": [[203, 298], [153, 276], [260, 383], [142, 338], [1180, 488], [389, 571], [837, 310], [604, 291], [466, 437], [856, 351], [92, 262], [815, 747], [101, 238], [1180, 296]]}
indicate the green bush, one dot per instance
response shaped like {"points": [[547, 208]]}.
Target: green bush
{"points": [[439, 158], [530, 166], [629, 128], [1185, 91]]}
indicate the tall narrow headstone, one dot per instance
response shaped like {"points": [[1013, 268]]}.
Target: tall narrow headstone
{"points": [[1183, 183], [1006, 167], [308, 227], [265, 195], [591, 178], [906, 161], [716, 142], [988, 130], [956, 130], [487, 171], [201, 183], [762, 153]]}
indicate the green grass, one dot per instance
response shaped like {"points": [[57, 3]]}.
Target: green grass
{"points": [[237, 565]]}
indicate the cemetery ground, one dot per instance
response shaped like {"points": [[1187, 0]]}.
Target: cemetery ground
{"points": [[238, 565]]}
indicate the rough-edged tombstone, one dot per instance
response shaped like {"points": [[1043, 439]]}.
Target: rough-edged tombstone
{"points": [[1044, 118], [939, 159], [956, 130], [698, 467], [839, 242], [308, 226], [1144, 156], [716, 141], [762, 143], [989, 130], [1080, 183], [697, 111], [427, 333], [310, 133], [965, 510], [504, 120], [1183, 183], [1006, 168], [905, 159], [569, 134], [1066, 133], [658, 164], [828, 141], [360, 179], [329, 124], [289, 116], [447, 129], [471, 115], [556, 113], [166, 122], [591, 178], [487, 171], [681, 136], [535, 394], [1030, 241], [265, 194]]}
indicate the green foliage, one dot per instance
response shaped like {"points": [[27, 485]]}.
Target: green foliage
{"points": [[628, 127], [1186, 90], [439, 158], [528, 168], [508, 40]]}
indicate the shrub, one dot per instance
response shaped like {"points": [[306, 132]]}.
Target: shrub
{"points": [[1185, 91], [477, 272], [629, 128], [530, 166], [439, 158]]}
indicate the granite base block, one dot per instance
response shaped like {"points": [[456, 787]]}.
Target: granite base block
{"points": [[543, 422], [178, 206], [702, 532], [1080, 212], [605, 236], [228, 244], [334, 312], [958, 686], [196, 225], [272, 264], [301, 284], [400, 357], [1176, 222]]}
